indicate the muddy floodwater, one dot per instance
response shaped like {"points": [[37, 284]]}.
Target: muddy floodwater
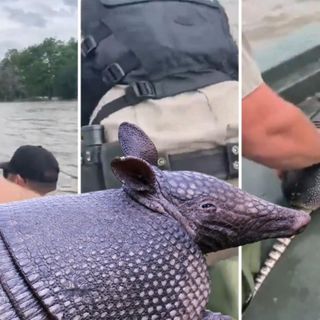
{"points": [[280, 29], [52, 125]]}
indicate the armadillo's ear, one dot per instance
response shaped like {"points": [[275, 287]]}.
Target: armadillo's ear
{"points": [[134, 173], [134, 142]]}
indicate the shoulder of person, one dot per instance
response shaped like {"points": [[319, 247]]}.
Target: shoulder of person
{"points": [[10, 192]]}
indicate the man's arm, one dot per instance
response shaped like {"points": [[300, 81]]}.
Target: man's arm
{"points": [[276, 133], [10, 192]]}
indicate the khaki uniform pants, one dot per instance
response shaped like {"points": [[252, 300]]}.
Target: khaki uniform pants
{"points": [[192, 121]]}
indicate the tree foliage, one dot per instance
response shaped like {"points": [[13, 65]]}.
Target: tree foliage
{"points": [[42, 71]]}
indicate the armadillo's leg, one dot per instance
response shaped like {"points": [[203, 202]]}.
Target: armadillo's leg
{"points": [[215, 316]]}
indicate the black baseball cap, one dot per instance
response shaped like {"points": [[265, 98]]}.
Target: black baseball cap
{"points": [[33, 163]]}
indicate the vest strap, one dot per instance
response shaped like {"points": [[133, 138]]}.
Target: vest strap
{"points": [[113, 73], [144, 90], [91, 41]]}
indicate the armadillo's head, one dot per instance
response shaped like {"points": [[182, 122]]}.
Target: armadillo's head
{"points": [[216, 214]]}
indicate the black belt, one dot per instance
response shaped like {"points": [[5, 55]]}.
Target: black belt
{"points": [[221, 162]]}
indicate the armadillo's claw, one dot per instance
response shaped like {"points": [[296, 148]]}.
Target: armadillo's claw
{"points": [[215, 316]]}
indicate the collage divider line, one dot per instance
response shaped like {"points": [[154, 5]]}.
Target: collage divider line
{"points": [[79, 95], [240, 152]]}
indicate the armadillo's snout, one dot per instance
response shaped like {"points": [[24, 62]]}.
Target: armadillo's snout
{"points": [[260, 220], [282, 222], [301, 222]]}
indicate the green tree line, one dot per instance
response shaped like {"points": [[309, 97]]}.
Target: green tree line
{"points": [[41, 71]]}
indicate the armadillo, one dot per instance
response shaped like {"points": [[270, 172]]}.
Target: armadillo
{"points": [[301, 187], [134, 253]]}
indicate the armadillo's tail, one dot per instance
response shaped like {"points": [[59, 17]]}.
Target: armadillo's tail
{"points": [[278, 249]]}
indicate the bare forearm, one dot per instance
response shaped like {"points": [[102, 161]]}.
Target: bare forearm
{"points": [[277, 134], [286, 150]]}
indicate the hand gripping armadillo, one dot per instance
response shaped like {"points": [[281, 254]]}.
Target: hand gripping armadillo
{"points": [[302, 187], [134, 253]]}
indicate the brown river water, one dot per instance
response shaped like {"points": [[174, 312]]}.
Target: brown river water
{"points": [[50, 124], [265, 20], [280, 29]]}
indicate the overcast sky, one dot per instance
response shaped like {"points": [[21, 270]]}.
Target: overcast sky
{"points": [[28, 22]]}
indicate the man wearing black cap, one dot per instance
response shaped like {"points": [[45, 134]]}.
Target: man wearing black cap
{"points": [[33, 168]]}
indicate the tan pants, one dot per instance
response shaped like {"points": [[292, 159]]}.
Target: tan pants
{"points": [[191, 121]]}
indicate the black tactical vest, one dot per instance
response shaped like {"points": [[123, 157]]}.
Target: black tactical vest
{"points": [[159, 48]]}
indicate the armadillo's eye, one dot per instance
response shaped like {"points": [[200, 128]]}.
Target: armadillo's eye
{"points": [[208, 206]]}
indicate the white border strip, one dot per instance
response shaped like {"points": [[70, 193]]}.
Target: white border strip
{"points": [[240, 156], [79, 95]]}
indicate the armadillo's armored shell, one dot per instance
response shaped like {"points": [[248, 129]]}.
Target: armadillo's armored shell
{"points": [[97, 256], [302, 187]]}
